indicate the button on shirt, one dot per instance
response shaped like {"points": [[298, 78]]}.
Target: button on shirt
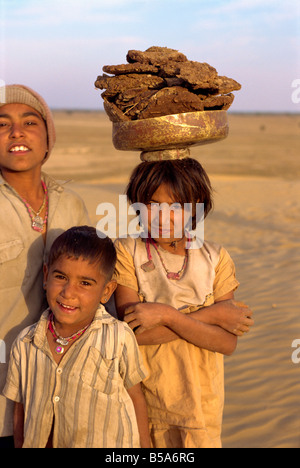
{"points": [[85, 394], [22, 252]]}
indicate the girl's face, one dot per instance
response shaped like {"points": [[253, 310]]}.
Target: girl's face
{"points": [[165, 217]]}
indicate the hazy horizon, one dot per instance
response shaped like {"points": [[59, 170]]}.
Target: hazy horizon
{"points": [[59, 47]]}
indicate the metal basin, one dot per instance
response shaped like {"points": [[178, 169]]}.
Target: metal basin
{"points": [[171, 131]]}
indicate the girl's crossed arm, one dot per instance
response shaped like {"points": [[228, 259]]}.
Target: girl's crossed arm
{"points": [[214, 328]]}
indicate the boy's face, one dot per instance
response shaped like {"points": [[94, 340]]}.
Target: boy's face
{"points": [[23, 138], [75, 288]]}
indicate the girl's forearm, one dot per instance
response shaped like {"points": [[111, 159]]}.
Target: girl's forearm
{"points": [[232, 316], [163, 334], [176, 325], [208, 315], [155, 336], [202, 335]]}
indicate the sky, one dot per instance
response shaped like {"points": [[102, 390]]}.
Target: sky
{"points": [[58, 47]]}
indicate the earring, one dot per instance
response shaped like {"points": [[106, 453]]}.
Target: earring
{"points": [[45, 285]]}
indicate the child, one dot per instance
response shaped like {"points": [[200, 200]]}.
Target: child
{"points": [[180, 302], [34, 210], [75, 375]]}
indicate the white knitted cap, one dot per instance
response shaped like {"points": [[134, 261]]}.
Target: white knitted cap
{"points": [[20, 94]]}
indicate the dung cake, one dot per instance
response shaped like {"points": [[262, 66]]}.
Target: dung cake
{"points": [[162, 81]]}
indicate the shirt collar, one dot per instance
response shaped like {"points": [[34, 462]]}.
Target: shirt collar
{"points": [[51, 183], [37, 333]]}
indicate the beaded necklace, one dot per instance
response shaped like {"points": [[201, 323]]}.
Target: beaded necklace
{"points": [[37, 222], [149, 266], [59, 339]]}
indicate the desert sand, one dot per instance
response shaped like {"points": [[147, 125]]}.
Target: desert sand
{"points": [[256, 176]]}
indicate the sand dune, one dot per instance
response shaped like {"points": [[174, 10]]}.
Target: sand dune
{"points": [[255, 173], [261, 228]]}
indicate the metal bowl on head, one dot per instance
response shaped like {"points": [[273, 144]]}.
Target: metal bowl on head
{"points": [[171, 131]]}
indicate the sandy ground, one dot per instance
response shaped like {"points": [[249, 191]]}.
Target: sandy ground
{"points": [[255, 173]]}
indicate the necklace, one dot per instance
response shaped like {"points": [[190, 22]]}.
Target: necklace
{"points": [[149, 266], [37, 222], [62, 342]]}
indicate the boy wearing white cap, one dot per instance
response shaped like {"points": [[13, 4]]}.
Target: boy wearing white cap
{"points": [[34, 210]]}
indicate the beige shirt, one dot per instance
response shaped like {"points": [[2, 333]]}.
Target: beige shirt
{"points": [[185, 384], [22, 252], [85, 394]]}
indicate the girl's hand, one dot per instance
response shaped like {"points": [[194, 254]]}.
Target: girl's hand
{"points": [[233, 316], [145, 316]]}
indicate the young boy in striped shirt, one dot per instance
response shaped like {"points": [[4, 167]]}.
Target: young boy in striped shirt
{"points": [[75, 375]]}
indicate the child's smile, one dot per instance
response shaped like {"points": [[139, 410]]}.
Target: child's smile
{"points": [[66, 309], [23, 138], [75, 288]]}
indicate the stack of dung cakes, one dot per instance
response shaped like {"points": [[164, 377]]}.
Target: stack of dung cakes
{"points": [[161, 103]]}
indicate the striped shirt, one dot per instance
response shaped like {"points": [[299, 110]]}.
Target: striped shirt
{"points": [[22, 255], [85, 394]]}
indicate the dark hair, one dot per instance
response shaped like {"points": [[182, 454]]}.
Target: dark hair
{"points": [[83, 241], [186, 178]]}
